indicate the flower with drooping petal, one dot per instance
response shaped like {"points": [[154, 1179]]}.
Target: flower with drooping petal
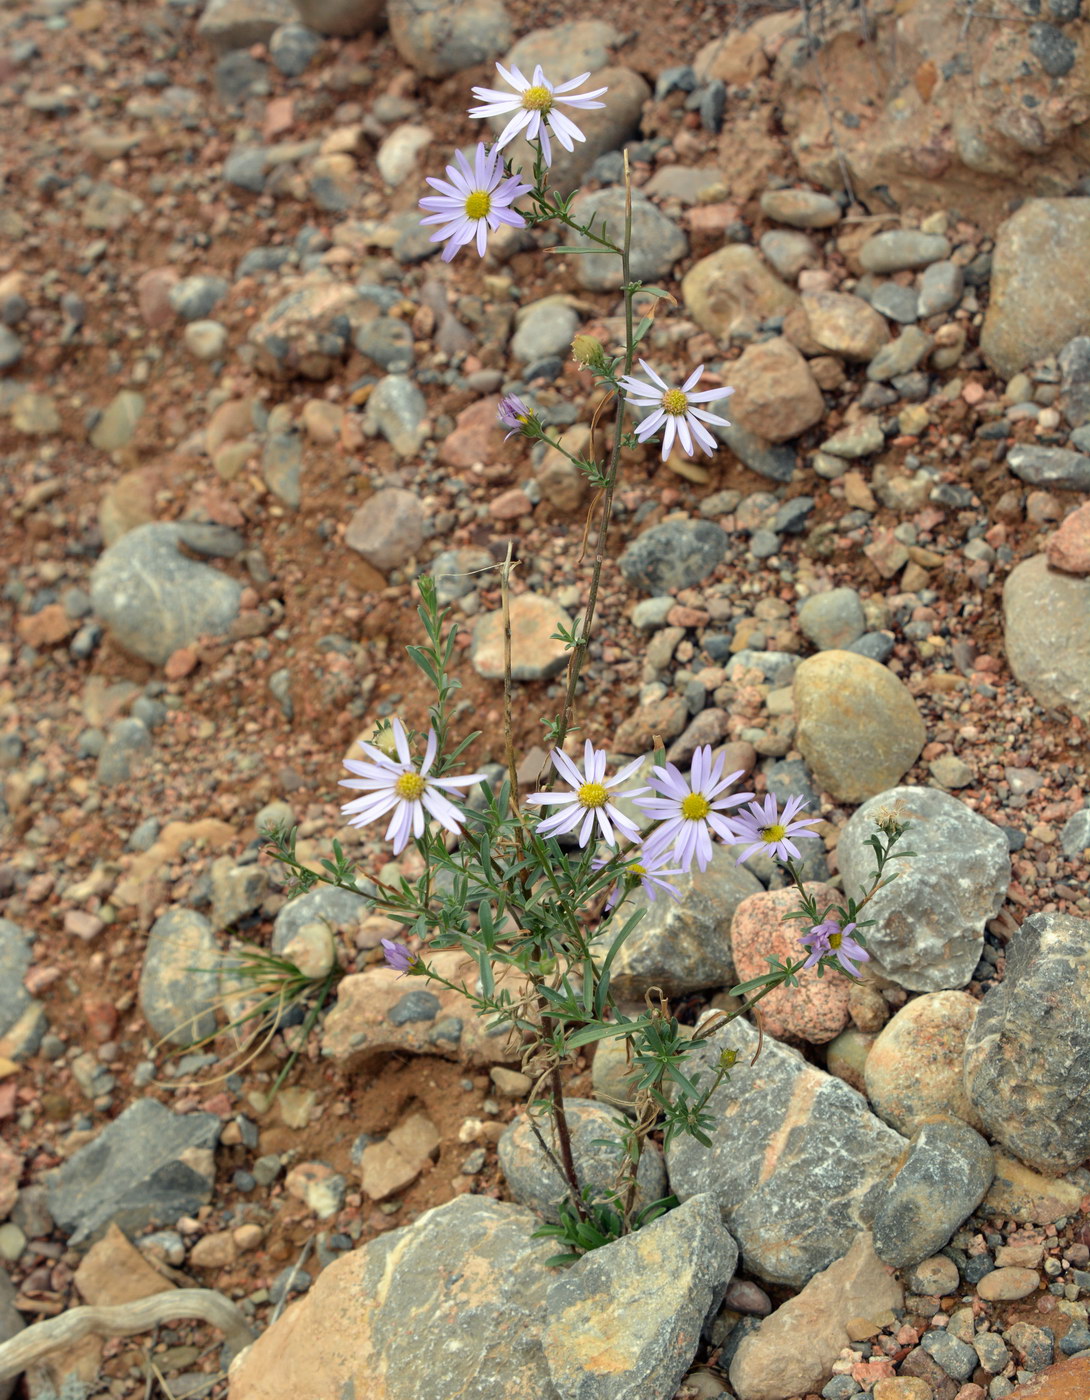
{"points": [[590, 801], [675, 408], [398, 787], [472, 200], [650, 870], [514, 414], [534, 106], [770, 831], [690, 811], [398, 956], [828, 939]]}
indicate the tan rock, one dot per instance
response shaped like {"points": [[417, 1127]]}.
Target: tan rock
{"points": [[846, 1056], [844, 324], [114, 1271], [46, 628], [1066, 1380], [775, 395], [390, 1166], [1069, 548], [215, 1251], [733, 287], [1019, 1193], [793, 1350], [535, 653], [857, 726], [1045, 634], [914, 1069], [1007, 1285]]}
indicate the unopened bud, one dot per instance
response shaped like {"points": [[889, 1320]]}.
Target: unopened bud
{"points": [[589, 352], [727, 1059]]}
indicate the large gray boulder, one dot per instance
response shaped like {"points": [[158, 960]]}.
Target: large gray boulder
{"points": [[1046, 632], [928, 930], [798, 1163], [1027, 1056]]}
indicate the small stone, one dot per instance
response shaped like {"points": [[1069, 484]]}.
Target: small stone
{"points": [[941, 287], [1006, 1285], [858, 439], [900, 356], [956, 1358], [789, 253], [441, 37], [913, 1070], [834, 619], [214, 1251], [844, 325], [1045, 634], [387, 530], [733, 287], [895, 302], [205, 340], [118, 422], [949, 771], [397, 156], [801, 208], [194, 297], [935, 1277], [535, 652], [775, 395], [246, 167], [293, 47], [898, 250], [179, 981], [397, 409], [657, 242], [674, 555]]}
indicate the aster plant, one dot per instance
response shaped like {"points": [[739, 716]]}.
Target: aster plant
{"points": [[539, 893]]}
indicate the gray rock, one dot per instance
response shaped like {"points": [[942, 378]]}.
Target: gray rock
{"points": [[777, 667], [342, 910], [858, 439], [1040, 289], [237, 891], [1046, 633], [798, 1163], [895, 302], [109, 209], [398, 156], [179, 981], [388, 529], [775, 461], [657, 242], [654, 1331], [388, 342], [1052, 467], [245, 168], [128, 746], [544, 328], [928, 929], [441, 37], [117, 424], [341, 17], [1054, 50], [1027, 1056], [22, 1019], [459, 571], [397, 409], [789, 252], [147, 1167], [212, 540], [674, 555], [535, 1182], [1074, 401], [195, 298], [154, 600], [236, 24], [900, 356], [451, 1305], [239, 76], [11, 349], [682, 945], [1075, 836], [292, 48], [206, 340], [307, 334], [566, 50], [833, 619], [941, 287], [898, 250], [282, 467], [957, 1358], [946, 1174]]}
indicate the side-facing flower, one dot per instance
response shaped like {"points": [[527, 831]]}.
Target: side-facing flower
{"points": [[399, 788], [769, 830], [690, 812], [398, 956], [674, 408], [473, 200], [828, 939], [514, 414], [590, 801], [649, 870], [534, 106]]}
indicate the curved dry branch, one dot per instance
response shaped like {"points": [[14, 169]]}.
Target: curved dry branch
{"points": [[123, 1320]]}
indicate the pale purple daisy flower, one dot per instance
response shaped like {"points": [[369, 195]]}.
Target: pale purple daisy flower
{"points": [[513, 414], [674, 408], [534, 106], [770, 831], [650, 870], [690, 811], [589, 801], [398, 956], [828, 939], [398, 787], [472, 200]]}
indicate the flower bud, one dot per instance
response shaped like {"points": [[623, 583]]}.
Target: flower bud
{"points": [[589, 352], [727, 1059]]}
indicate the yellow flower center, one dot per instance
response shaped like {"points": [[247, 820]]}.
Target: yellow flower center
{"points": [[771, 834], [695, 807], [537, 99], [675, 402], [835, 940], [478, 204], [592, 795], [636, 868], [410, 786]]}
